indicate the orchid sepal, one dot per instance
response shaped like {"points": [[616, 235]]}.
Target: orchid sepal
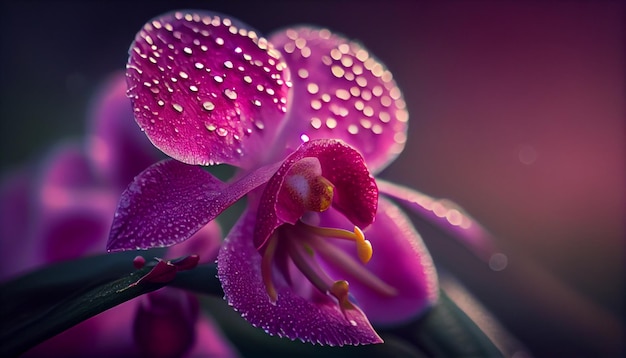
{"points": [[191, 196]]}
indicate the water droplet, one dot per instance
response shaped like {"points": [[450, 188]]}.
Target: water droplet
{"points": [[228, 64], [498, 262], [337, 71], [259, 125], [312, 88], [210, 127], [187, 50], [193, 88], [208, 105], [316, 123], [222, 132], [231, 94], [331, 122], [218, 79], [178, 107]]}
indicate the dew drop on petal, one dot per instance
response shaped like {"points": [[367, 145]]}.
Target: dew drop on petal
{"points": [[208, 105], [230, 94], [222, 132], [177, 107], [210, 127]]}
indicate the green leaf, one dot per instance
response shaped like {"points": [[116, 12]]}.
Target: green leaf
{"points": [[71, 292], [18, 338], [39, 289]]}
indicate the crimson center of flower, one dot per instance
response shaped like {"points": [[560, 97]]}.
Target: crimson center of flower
{"points": [[308, 191]]}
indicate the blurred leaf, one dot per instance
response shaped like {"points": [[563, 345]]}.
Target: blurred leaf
{"points": [[446, 331], [19, 337], [41, 288], [47, 301]]}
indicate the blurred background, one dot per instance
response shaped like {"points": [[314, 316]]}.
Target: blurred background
{"points": [[516, 113]]}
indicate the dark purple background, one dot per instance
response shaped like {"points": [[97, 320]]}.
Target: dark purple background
{"points": [[516, 112]]}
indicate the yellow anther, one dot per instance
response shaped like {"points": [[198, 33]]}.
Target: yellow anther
{"points": [[363, 247], [339, 289]]}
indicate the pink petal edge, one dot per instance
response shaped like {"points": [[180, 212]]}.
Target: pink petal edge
{"points": [[448, 216]]}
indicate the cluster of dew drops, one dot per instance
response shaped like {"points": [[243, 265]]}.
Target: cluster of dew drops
{"points": [[201, 100]]}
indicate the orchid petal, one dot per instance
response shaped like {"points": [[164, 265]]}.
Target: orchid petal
{"points": [[170, 201], [447, 216], [292, 316], [210, 342], [400, 259], [115, 145], [75, 226], [74, 213], [108, 334], [355, 196], [65, 168], [340, 90], [204, 243], [206, 88], [164, 323]]}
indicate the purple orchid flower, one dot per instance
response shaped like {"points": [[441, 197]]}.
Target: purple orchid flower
{"points": [[66, 214], [306, 115]]}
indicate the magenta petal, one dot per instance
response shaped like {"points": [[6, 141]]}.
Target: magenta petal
{"points": [[67, 168], [164, 323], [74, 225], [108, 334], [340, 90], [355, 195], [204, 243], [292, 316], [400, 259], [170, 201], [74, 213], [205, 88], [115, 145], [210, 342], [447, 216]]}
